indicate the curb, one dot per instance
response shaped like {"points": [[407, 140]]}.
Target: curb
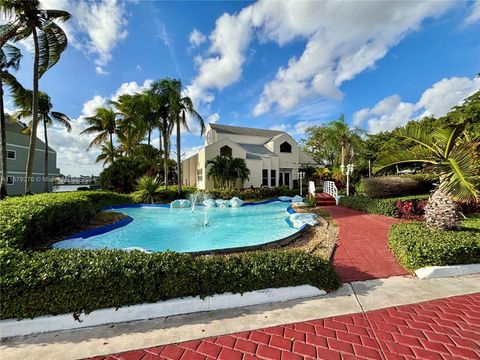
{"points": [[179, 306], [432, 272]]}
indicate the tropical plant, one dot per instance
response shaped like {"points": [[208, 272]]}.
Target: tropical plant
{"points": [[108, 154], [27, 18], [23, 100], [148, 190], [179, 107], [9, 60], [225, 171], [104, 123], [121, 175], [452, 154]]}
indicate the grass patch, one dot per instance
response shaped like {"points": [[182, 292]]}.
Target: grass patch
{"points": [[416, 246]]}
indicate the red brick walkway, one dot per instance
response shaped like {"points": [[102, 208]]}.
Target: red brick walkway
{"points": [[362, 252], [441, 329]]}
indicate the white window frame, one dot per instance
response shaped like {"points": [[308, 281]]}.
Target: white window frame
{"points": [[14, 154], [199, 175]]}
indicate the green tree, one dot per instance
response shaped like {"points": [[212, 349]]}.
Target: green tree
{"points": [[23, 100], [225, 171], [179, 107], [148, 189], [9, 60], [107, 154], [29, 19], [453, 155], [104, 123]]}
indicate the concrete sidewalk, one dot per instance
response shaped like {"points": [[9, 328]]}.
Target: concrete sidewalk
{"points": [[351, 298]]}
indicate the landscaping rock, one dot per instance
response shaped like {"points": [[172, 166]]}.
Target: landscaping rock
{"points": [[236, 202], [297, 199], [180, 203], [209, 203], [222, 203]]}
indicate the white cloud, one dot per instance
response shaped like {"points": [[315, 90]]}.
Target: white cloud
{"points": [[72, 157], [196, 38], [96, 27], [213, 118], [333, 54], [474, 15], [190, 151], [392, 112]]}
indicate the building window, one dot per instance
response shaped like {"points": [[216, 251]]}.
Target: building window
{"points": [[9, 180], [226, 151], [285, 147], [11, 154], [273, 179], [265, 177], [199, 174]]}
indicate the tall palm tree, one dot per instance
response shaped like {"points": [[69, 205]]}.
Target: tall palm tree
{"points": [[9, 60], [108, 154], [225, 171], [104, 123], [453, 155], [23, 99], [180, 107], [348, 138], [29, 19], [159, 93]]}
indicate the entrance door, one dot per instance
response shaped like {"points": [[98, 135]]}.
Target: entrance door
{"points": [[286, 179]]}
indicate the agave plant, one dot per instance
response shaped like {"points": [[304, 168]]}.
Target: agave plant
{"points": [[454, 155], [148, 190]]}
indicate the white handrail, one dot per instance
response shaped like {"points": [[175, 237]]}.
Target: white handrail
{"points": [[330, 188]]}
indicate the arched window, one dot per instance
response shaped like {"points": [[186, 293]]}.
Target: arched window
{"points": [[285, 147], [226, 151]]}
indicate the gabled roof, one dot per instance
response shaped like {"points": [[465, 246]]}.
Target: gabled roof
{"points": [[237, 130], [257, 149]]}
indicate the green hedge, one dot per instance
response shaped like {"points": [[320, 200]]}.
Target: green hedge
{"points": [[369, 205], [381, 187], [26, 220], [253, 193], [416, 246], [64, 281]]}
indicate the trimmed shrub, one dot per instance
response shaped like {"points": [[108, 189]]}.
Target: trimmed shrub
{"points": [[393, 186], [26, 220], [63, 281], [416, 246], [388, 207], [253, 193]]}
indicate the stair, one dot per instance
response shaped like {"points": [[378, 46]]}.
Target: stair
{"points": [[324, 199]]}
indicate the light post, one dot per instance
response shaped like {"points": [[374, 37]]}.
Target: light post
{"points": [[301, 175], [347, 171]]}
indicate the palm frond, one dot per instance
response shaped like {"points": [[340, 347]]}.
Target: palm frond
{"points": [[404, 156], [62, 119], [417, 135]]}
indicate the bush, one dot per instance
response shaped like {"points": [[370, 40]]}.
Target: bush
{"points": [[28, 220], [121, 175], [388, 207], [393, 186], [416, 246], [253, 193], [63, 281]]}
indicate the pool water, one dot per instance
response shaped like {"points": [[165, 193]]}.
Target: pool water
{"points": [[158, 229]]}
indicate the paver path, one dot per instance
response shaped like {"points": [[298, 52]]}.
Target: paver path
{"points": [[441, 329], [362, 252]]}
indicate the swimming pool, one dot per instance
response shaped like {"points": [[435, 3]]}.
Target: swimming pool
{"points": [[158, 228]]}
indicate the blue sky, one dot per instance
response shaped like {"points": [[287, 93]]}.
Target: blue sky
{"points": [[279, 65]]}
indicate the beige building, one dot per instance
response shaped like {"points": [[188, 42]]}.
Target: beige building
{"points": [[272, 156]]}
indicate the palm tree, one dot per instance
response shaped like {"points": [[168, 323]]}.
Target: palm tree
{"points": [[454, 155], [108, 154], [179, 107], [105, 124], [148, 190], [9, 59], [225, 171], [348, 138], [29, 19], [23, 99]]}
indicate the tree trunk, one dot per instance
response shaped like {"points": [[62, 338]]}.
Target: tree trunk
{"points": [[45, 183], [442, 212], [33, 133], [112, 155], [165, 159], [3, 147], [179, 164]]}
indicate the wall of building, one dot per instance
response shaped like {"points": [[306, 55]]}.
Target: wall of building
{"points": [[255, 178]]}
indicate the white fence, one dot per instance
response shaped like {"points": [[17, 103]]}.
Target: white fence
{"points": [[330, 188]]}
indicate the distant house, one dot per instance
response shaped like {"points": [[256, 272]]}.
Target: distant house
{"points": [[272, 156], [17, 151]]}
